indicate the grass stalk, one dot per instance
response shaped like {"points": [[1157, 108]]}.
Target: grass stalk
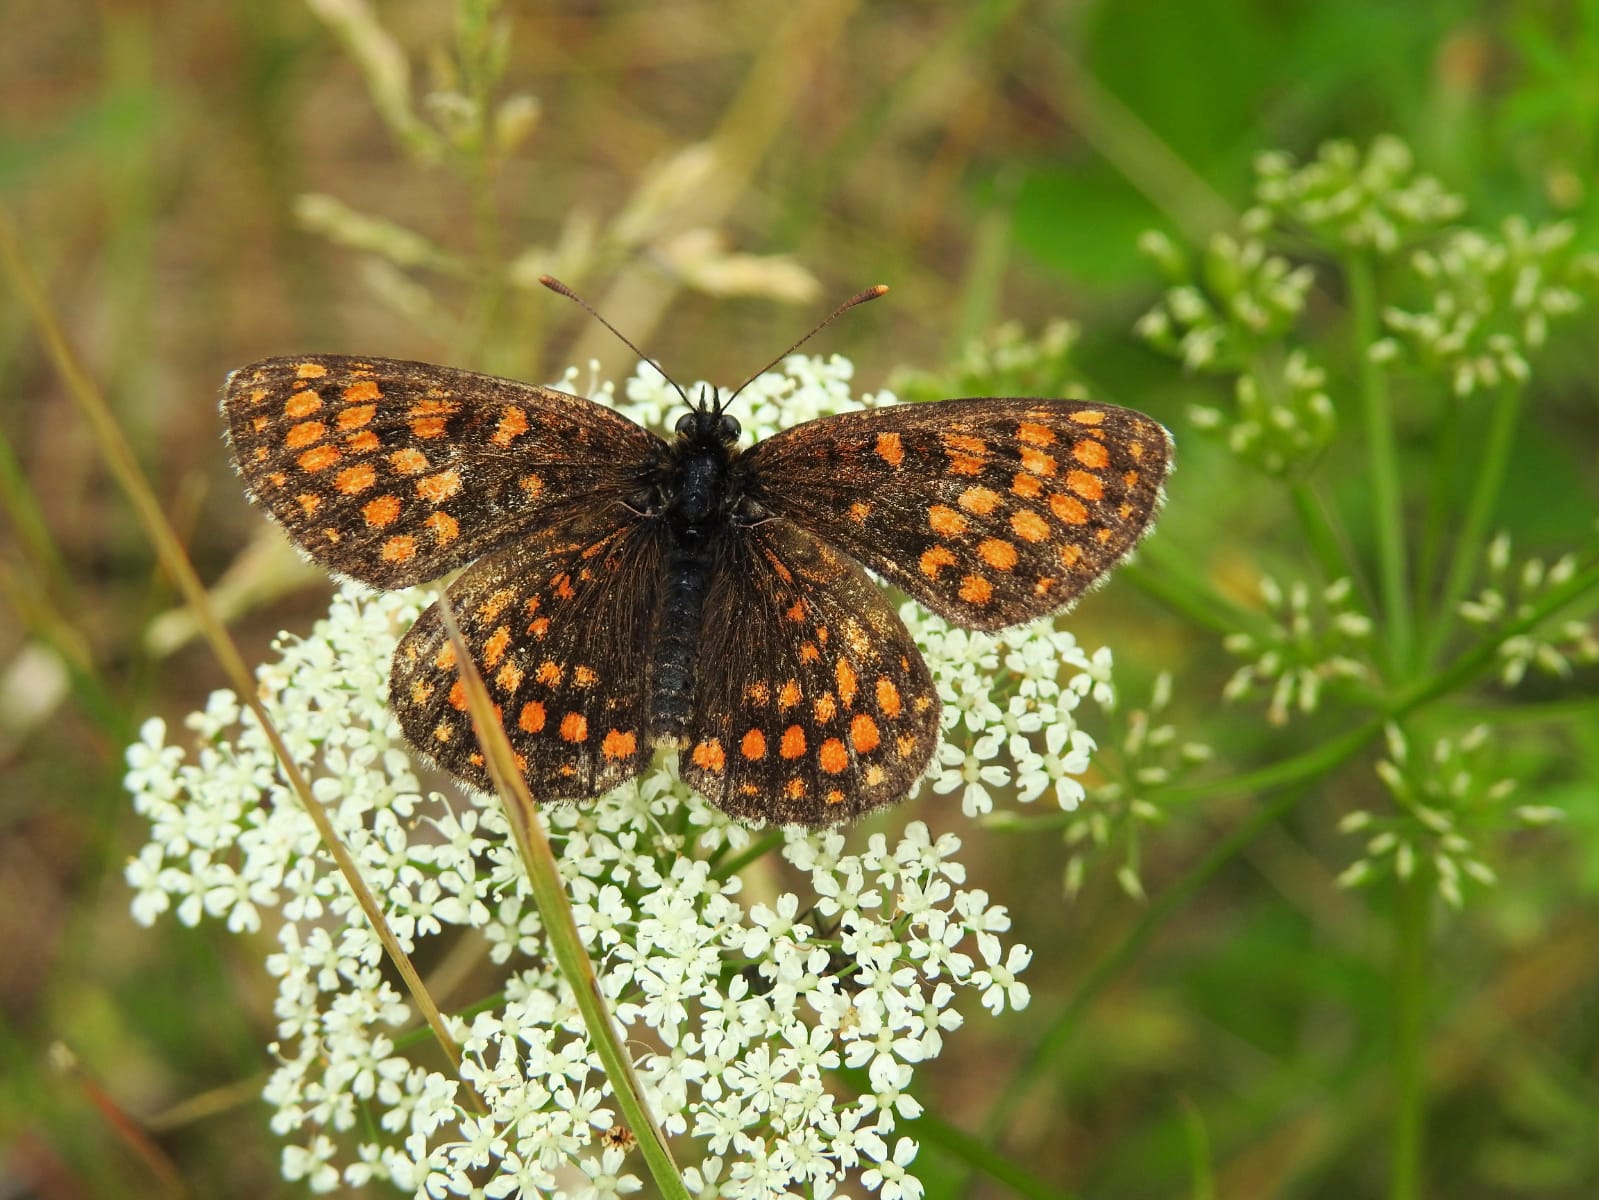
{"points": [[1487, 484], [549, 893], [1412, 917], [1388, 517], [124, 466]]}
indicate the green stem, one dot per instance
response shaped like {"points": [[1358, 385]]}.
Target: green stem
{"points": [[1042, 1061], [560, 926], [1325, 544], [1445, 474], [1486, 487], [1388, 516], [758, 848], [1412, 925], [980, 1156]]}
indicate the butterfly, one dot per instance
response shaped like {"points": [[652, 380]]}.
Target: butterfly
{"points": [[623, 591]]}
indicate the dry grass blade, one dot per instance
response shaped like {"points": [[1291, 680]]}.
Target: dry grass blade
{"points": [[119, 457], [549, 893]]}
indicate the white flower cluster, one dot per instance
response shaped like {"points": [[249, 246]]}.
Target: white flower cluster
{"points": [[1347, 200], [1311, 641], [1552, 647], [739, 1009], [1445, 804], [1490, 301]]}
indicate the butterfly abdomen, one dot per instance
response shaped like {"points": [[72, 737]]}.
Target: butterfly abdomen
{"points": [[694, 514]]}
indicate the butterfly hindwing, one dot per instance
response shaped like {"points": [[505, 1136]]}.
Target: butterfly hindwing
{"points": [[988, 511], [561, 627], [813, 704], [395, 472]]}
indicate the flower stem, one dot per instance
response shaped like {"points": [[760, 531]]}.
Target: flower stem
{"points": [[1485, 491], [560, 927], [1324, 541], [1412, 923], [1387, 511]]}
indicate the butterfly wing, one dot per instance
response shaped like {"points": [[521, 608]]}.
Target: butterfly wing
{"points": [[394, 473], [989, 512], [813, 704], [561, 627]]}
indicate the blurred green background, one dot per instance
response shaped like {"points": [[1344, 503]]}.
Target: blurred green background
{"points": [[713, 176]]}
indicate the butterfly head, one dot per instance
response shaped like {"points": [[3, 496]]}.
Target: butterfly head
{"points": [[708, 422]]}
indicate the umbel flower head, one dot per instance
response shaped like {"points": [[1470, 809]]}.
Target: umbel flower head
{"points": [[738, 1010]]}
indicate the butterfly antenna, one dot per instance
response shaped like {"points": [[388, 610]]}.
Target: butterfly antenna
{"points": [[871, 293], [560, 289]]}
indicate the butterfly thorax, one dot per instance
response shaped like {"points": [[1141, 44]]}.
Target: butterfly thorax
{"points": [[696, 505]]}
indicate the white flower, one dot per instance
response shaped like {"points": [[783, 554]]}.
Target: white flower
{"points": [[737, 1012]]}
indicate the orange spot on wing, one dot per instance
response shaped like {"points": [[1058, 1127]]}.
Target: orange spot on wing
{"points": [[964, 443], [935, 559], [1025, 486], [1068, 508], [945, 521], [753, 746], [794, 789], [509, 678], [584, 677], [458, 695], [304, 434], [1085, 485], [310, 370], [494, 649], [1091, 453], [890, 449], [863, 734], [832, 756], [825, 708], [362, 441], [1038, 462], [549, 673], [847, 681], [758, 694], [491, 608], [788, 695], [398, 549], [513, 424], [888, 697], [1029, 526], [1070, 555], [619, 744], [362, 392], [302, 404], [355, 418], [859, 511], [1088, 416], [793, 743], [532, 718], [309, 502], [965, 464], [1000, 555], [409, 461], [574, 727], [383, 510], [979, 500], [445, 527], [709, 756], [354, 480], [1037, 435], [976, 590], [436, 489], [428, 427], [796, 611]]}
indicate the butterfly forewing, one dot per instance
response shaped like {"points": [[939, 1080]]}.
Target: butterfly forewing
{"points": [[395, 472], [988, 511], [561, 626], [813, 703]]}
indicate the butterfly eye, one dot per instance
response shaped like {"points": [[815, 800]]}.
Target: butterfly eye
{"points": [[686, 423], [727, 429]]}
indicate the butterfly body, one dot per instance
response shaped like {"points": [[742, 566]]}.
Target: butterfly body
{"points": [[623, 591]]}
